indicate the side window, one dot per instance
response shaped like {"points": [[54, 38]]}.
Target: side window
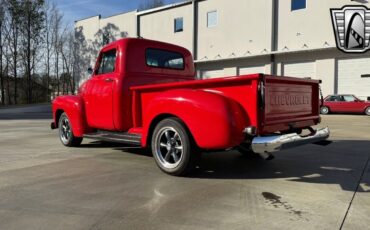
{"points": [[107, 62], [329, 98], [298, 4], [164, 59], [349, 98], [333, 98]]}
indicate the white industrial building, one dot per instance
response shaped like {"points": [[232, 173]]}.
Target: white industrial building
{"points": [[236, 37]]}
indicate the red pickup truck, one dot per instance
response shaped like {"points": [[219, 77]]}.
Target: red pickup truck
{"points": [[144, 92]]}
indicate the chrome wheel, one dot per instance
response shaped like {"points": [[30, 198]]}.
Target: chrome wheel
{"points": [[169, 147], [65, 131], [324, 110], [367, 111], [66, 135], [173, 148]]}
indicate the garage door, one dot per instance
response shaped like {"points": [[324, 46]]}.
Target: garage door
{"points": [[205, 74], [251, 70], [354, 76], [299, 69]]}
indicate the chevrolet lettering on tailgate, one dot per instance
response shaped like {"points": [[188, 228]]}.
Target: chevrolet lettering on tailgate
{"points": [[290, 100]]}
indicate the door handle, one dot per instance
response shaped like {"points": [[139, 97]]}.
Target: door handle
{"points": [[108, 80]]}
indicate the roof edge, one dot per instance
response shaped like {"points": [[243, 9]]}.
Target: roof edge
{"points": [[264, 54], [165, 7]]}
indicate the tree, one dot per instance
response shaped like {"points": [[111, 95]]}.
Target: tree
{"points": [[56, 43], [15, 11], [22, 33], [67, 53], [51, 12], [82, 55], [31, 28], [31, 36], [2, 17], [107, 34], [149, 4]]}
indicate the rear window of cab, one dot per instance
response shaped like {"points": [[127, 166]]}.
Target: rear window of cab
{"points": [[164, 59]]}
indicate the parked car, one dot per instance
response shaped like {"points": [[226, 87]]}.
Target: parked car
{"points": [[345, 103], [144, 93]]}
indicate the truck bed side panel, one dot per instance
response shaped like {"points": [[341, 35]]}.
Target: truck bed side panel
{"points": [[216, 110]]}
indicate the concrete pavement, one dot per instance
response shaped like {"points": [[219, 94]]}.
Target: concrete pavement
{"points": [[44, 185]]}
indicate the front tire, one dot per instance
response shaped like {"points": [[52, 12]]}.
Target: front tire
{"points": [[173, 148], [324, 110], [367, 111], [66, 133]]}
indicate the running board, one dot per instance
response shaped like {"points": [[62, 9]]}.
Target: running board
{"points": [[118, 137]]}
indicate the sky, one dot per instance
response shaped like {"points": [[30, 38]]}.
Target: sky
{"points": [[78, 9]]}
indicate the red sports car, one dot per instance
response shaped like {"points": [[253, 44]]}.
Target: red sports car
{"points": [[345, 103]]}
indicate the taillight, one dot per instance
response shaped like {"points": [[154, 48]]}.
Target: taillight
{"points": [[251, 131], [261, 97]]}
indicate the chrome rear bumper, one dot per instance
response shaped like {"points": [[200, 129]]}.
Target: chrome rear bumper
{"points": [[270, 144]]}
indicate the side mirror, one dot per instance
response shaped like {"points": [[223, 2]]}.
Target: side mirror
{"points": [[90, 71]]}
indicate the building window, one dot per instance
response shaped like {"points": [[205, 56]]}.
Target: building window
{"points": [[298, 4], [179, 25], [212, 19]]}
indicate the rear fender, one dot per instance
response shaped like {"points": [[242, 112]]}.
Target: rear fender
{"points": [[73, 106], [215, 121]]}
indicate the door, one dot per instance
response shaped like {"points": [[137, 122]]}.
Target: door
{"points": [[354, 76], [99, 96], [334, 103], [352, 105]]}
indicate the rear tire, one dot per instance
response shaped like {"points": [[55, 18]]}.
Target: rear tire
{"points": [[66, 132], [367, 111], [173, 148], [324, 110]]}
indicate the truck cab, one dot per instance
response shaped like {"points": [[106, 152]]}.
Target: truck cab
{"points": [[124, 64], [144, 92]]}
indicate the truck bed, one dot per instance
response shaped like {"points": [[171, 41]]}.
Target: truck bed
{"points": [[271, 103]]}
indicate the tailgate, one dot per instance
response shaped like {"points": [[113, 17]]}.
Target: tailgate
{"points": [[289, 103]]}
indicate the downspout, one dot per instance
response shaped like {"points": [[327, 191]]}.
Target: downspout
{"points": [[274, 35], [138, 26], [195, 29]]}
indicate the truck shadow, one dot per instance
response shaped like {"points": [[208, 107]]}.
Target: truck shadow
{"points": [[131, 149], [342, 163]]}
